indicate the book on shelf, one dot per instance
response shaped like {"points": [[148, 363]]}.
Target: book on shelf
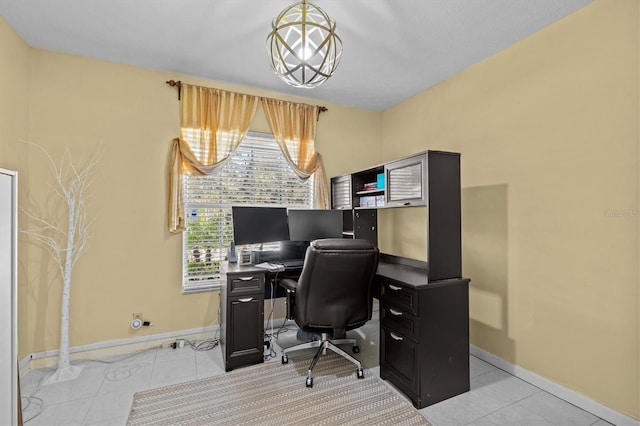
{"points": [[368, 201], [372, 201], [370, 186]]}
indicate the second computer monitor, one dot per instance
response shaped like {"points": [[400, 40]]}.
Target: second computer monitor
{"points": [[309, 225]]}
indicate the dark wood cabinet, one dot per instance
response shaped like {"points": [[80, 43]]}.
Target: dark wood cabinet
{"points": [[424, 332], [424, 305], [429, 178], [241, 315]]}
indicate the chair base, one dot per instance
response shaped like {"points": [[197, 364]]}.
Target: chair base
{"points": [[322, 346]]}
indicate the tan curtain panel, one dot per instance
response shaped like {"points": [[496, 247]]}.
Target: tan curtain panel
{"points": [[213, 122], [294, 128]]}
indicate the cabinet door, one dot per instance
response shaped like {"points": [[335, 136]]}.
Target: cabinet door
{"points": [[399, 360], [406, 181], [245, 331], [341, 192], [365, 225]]}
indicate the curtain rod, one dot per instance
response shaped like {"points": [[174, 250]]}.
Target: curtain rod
{"points": [[178, 84]]}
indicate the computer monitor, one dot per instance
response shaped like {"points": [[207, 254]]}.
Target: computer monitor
{"points": [[253, 225], [309, 225]]}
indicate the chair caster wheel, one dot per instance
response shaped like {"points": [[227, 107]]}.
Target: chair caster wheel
{"points": [[285, 359], [360, 373], [309, 382], [356, 349]]}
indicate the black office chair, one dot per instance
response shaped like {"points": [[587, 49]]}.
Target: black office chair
{"points": [[332, 295]]}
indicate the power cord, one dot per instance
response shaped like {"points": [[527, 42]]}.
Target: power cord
{"points": [[25, 406], [268, 338], [270, 352], [203, 345], [110, 374]]}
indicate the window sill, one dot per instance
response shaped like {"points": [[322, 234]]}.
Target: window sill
{"points": [[201, 289]]}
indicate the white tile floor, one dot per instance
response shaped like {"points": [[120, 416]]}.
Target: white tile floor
{"points": [[103, 393]]}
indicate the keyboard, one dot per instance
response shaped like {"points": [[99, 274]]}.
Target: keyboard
{"points": [[292, 263]]}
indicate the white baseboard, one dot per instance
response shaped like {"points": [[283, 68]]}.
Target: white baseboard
{"points": [[587, 404], [112, 347], [126, 346]]}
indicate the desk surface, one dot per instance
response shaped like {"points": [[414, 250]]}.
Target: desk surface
{"points": [[413, 273], [236, 268]]}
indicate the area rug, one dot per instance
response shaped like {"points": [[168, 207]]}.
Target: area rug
{"points": [[275, 394]]}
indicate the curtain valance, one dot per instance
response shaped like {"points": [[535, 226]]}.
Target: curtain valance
{"points": [[213, 122]]}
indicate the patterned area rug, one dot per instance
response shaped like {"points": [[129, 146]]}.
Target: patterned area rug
{"points": [[275, 394]]}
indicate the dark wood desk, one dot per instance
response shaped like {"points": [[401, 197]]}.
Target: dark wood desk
{"points": [[424, 326], [242, 293], [424, 331]]}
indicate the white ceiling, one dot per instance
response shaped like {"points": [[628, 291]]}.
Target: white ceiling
{"points": [[393, 49]]}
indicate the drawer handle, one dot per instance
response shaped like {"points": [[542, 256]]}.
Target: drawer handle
{"points": [[393, 287], [246, 299], [394, 336], [394, 312], [245, 278]]}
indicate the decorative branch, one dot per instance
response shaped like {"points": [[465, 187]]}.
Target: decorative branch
{"points": [[66, 244]]}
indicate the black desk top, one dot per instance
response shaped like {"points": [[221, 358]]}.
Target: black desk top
{"points": [[411, 272]]}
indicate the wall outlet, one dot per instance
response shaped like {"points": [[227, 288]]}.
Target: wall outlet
{"points": [[137, 321]]}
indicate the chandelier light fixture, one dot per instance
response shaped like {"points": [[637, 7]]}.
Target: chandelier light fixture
{"points": [[303, 46]]}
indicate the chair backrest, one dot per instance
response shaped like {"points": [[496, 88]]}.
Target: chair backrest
{"points": [[334, 291]]}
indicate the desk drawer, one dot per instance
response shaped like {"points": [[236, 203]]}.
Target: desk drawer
{"points": [[243, 284], [402, 323], [398, 296]]}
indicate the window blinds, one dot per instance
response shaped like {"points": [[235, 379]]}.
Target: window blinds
{"points": [[257, 174]]}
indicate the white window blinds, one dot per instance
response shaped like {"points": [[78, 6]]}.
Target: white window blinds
{"points": [[257, 174]]}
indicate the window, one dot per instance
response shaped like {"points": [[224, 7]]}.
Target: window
{"points": [[256, 174]]}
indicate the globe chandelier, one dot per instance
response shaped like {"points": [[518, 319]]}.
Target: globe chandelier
{"points": [[303, 46]]}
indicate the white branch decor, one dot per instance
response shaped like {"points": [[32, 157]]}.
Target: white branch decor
{"points": [[66, 242]]}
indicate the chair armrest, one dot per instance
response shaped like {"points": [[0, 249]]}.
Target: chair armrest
{"points": [[288, 284]]}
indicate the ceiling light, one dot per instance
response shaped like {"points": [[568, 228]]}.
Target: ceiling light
{"points": [[303, 46]]}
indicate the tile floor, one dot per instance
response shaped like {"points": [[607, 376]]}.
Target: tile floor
{"points": [[103, 393]]}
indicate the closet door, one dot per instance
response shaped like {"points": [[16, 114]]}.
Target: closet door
{"points": [[8, 297]]}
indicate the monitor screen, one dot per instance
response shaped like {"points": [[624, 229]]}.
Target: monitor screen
{"points": [[309, 225], [252, 225]]}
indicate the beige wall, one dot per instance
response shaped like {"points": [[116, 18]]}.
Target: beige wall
{"points": [[133, 264], [548, 131], [14, 90]]}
